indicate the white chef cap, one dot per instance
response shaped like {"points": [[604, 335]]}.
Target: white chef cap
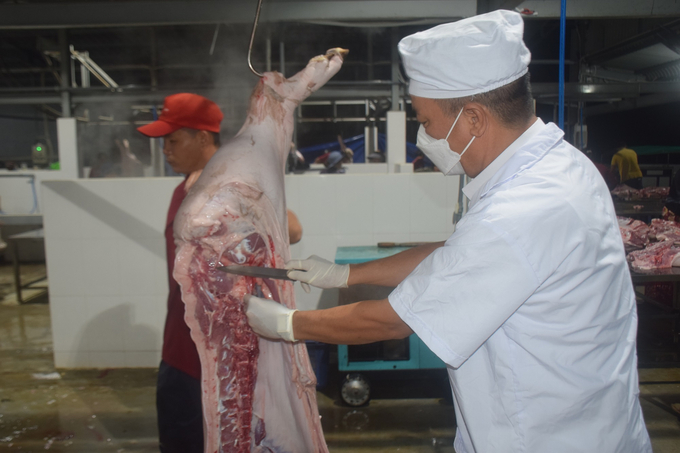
{"points": [[471, 56]]}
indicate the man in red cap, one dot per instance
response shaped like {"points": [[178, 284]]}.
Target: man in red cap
{"points": [[190, 126]]}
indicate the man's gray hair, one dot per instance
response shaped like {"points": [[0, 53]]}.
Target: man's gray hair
{"points": [[512, 104]]}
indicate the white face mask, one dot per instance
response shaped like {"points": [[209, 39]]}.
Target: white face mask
{"points": [[439, 152]]}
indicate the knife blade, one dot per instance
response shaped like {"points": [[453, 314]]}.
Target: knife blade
{"points": [[256, 271]]}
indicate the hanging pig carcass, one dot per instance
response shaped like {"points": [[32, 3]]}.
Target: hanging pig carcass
{"points": [[258, 395]]}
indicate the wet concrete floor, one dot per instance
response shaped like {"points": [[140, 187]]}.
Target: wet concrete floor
{"points": [[43, 409]]}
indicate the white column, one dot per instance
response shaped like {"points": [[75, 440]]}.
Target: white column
{"points": [[67, 141], [396, 141]]}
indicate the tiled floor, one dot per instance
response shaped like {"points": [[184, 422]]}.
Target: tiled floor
{"points": [[43, 409]]}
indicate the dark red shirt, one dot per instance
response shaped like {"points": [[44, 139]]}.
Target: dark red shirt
{"points": [[179, 350]]}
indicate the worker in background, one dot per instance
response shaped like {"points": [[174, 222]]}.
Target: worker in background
{"points": [[334, 163], [323, 157], [190, 126], [529, 302], [296, 161], [625, 162], [347, 153]]}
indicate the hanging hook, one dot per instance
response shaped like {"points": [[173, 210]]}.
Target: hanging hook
{"points": [[252, 38]]}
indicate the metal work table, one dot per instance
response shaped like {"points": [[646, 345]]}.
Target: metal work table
{"points": [[650, 208], [656, 275], [651, 310], [33, 235]]}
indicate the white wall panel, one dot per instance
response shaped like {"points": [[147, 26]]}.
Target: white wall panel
{"points": [[106, 251]]}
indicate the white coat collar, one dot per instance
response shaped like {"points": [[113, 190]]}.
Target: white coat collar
{"points": [[473, 189]]}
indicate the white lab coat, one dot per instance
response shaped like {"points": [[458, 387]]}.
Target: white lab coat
{"points": [[531, 306]]}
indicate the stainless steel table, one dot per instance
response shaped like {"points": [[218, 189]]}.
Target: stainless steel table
{"points": [[651, 208], [650, 311], [14, 241]]}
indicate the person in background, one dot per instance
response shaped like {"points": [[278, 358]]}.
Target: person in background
{"points": [[334, 163], [529, 302], [625, 162], [296, 161], [190, 126], [422, 164], [323, 157], [347, 153], [102, 167]]}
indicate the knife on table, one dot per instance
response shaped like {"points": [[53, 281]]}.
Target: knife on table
{"points": [[256, 271]]}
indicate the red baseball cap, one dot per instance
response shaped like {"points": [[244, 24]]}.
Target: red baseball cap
{"points": [[185, 110]]}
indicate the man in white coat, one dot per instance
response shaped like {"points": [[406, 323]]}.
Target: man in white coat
{"points": [[530, 302]]}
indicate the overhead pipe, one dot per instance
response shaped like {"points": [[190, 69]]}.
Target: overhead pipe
{"points": [[65, 68]]}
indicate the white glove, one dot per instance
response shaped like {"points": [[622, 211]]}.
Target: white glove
{"points": [[318, 272], [269, 318]]}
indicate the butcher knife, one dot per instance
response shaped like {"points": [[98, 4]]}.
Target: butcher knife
{"points": [[256, 271]]}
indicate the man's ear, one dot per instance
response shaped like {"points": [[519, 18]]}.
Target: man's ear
{"points": [[204, 138], [477, 116]]}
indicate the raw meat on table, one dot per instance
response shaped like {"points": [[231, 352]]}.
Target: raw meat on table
{"points": [[664, 230], [624, 192], [661, 255], [633, 232], [654, 192], [258, 395]]}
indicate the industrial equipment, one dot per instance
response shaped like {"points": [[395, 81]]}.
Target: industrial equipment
{"points": [[393, 355]]}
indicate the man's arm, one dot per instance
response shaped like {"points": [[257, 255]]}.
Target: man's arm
{"points": [[392, 270], [389, 271], [358, 323]]}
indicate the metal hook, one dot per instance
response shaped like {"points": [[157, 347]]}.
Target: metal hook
{"points": [[252, 38]]}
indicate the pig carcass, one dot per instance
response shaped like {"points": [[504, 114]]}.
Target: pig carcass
{"points": [[258, 395]]}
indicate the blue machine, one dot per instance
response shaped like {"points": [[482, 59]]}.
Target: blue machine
{"points": [[407, 354]]}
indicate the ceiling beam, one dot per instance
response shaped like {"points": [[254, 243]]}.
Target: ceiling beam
{"points": [[542, 91], [144, 13], [635, 43], [585, 9]]}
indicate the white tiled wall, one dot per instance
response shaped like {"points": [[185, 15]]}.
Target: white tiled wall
{"points": [[364, 209], [106, 251], [106, 262]]}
